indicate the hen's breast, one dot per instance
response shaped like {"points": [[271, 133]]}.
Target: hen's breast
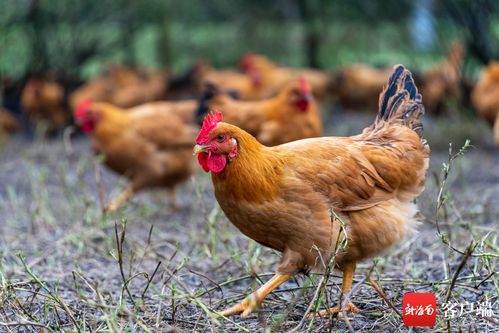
{"points": [[297, 218], [260, 222]]}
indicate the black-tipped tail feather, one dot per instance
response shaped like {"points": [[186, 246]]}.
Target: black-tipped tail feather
{"points": [[400, 101]]}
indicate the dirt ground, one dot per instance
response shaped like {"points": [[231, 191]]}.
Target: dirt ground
{"points": [[62, 269]]}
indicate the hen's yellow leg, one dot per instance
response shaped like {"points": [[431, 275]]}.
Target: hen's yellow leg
{"points": [[348, 272], [119, 200], [255, 299], [173, 200]]}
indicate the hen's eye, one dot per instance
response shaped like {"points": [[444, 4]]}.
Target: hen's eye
{"points": [[220, 138]]}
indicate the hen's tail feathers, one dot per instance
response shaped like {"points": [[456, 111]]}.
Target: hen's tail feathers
{"points": [[400, 101]]}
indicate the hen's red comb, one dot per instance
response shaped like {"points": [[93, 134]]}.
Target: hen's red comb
{"points": [[304, 85], [209, 123], [248, 61], [82, 108]]}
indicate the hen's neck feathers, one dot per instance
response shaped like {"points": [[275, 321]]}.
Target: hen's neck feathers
{"points": [[254, 174], [112, 122]]}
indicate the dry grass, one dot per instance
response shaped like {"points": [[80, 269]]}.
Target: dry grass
{"points": [[66, 267]]}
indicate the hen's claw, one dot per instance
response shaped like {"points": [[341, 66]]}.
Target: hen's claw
{"points": [[348, 271], [349, 307], [110, 209], [255, 300], [245, 307]]}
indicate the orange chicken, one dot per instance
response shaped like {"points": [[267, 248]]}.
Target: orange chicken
{"points": [[123, 87], [8, 123], [291, 115], [442, 82], [153, 148], [99, 88], [246, 83], [485, 97], [272, 77], [43, 100], [150, 87], [185, 109], [258, 79], [247, 86], [283, 196], [357, 86]]}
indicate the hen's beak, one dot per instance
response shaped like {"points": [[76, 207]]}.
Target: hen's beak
{"points": [[199, 149]]}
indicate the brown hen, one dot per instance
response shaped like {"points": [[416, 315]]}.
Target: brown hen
{"points": [[153, 148], [291, 115], [43, 100], [8, 123], [485, 97], [442, 82], [283, 197], [122, 86], [273, 77], [357, 86]]}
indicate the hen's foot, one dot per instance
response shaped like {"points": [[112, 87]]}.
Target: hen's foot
{"points": [[245, 307], [349, 307], [255, 300]]}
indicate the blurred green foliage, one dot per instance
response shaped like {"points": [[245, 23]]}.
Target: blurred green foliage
{"points": [[82, 37]]}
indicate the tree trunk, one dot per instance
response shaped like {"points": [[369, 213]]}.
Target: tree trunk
{"points": [[39, 60], [311, 24], [475, 17], [164, 50]]}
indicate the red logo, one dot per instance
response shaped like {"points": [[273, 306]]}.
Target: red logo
{"points": [[419, 309]]}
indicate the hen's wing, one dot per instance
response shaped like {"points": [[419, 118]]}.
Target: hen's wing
{"points": [[165, 131], [389, 159], [337, 168]]}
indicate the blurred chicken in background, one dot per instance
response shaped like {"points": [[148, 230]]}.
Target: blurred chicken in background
{"points": [[187, 84], [192, 83], [485, 97], [184, 109], [291, 115], [8, 124], [357, 86], [152, 87], [258, 78], [152, 148], [247, 86], [442, 82], [43, 100], [273, 77], [99, 88], [122, 86]]}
